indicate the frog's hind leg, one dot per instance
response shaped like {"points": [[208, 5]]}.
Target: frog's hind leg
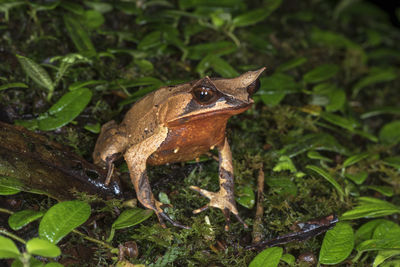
{"points": [[223, 199], [136, 157]]}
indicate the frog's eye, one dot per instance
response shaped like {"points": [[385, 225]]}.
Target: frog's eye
{"points": [[204, 95], [253, 87]]}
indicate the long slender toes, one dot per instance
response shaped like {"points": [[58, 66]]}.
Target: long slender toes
{"points": [[176, 224], [205, 207], [203, 192]]}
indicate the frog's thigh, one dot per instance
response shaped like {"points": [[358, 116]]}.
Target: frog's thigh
{"points": [[136, 157]]}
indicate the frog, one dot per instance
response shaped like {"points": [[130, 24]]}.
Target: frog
{"points": [[176, 124]]}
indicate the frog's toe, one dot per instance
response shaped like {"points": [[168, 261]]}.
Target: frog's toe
{"points": [[163, 216], [221, 201]]}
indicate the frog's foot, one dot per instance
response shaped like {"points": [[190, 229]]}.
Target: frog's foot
{"points": [[157, 207], [222, 201]]}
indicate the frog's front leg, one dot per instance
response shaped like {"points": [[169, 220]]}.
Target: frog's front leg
{"points": [[136, 157], [223, 199]]}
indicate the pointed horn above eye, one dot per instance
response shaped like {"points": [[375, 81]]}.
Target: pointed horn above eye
{"points": [[247, 78]]}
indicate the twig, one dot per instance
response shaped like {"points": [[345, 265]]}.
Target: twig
{"points": [[257, 227]]}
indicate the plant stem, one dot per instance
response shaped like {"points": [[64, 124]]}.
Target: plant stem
{"points": [[7, 233], [104, 244], [6, 211]]}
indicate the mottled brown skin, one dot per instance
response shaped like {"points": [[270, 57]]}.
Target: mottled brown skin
{"points": [[179, 123]]}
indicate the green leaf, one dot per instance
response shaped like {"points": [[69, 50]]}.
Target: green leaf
{"points": [[6, 190], [347, 123], [379, 244], [79, 36], [8, 249], [327, 177], [289, 259], [378, 75], [151, 40], [366, 230], [256, 15], [131, 217], [387, 191], [274, 88], [321, 73], [36, 72], [386, 229], [384, 255], [19, 219], [267, 258], [337, 244], [390, 133], [94, 128], [316, 155], [245, 196], [218, 64], [44, 248], [357, 178], [198, 52], [392, 161], [291, 64], [380, 111], [370, 208], [67, 108], [354, 159], [93, 19], [62, 218], [78, 85], [13, 85]]}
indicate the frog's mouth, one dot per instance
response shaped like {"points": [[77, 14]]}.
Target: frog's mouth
{"points": [[214, 111]]}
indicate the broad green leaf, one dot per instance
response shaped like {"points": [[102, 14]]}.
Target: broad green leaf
{"points": [[44, 248], [387, 191], [379, 244], [256, 15], [72, 7], [223, 68], [370, 208], [274, 88], [79, 36], [289, 259], [384, 255], [354, 159], [198, 52], [101, 7], [8, 249], [245, 196], [386, 229], [366, 230], [131, 217], [390, 133], [21, 218], [392, 161], [337, 244], [357, 178], [151, 40], [36, 72], [333, 39], [376, 76], [13, 85], [321, 73], [67, 108], [6, 191], [267, 258], [327, 177], [93, 19], [291, 64], [62, 218]]}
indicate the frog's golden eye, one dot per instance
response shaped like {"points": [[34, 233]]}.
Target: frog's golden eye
{"points": [[204, 95], [253, 87]]}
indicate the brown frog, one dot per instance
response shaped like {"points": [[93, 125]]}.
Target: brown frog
{"points": [[179, 123]]}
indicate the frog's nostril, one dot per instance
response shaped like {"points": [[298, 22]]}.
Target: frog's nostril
{"points": [[253, 87]]}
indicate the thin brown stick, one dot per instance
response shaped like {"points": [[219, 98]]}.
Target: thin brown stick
{"points": [[258, 225]]}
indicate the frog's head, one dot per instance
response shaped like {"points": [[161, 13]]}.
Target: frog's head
{"points": [[210, 97]]}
